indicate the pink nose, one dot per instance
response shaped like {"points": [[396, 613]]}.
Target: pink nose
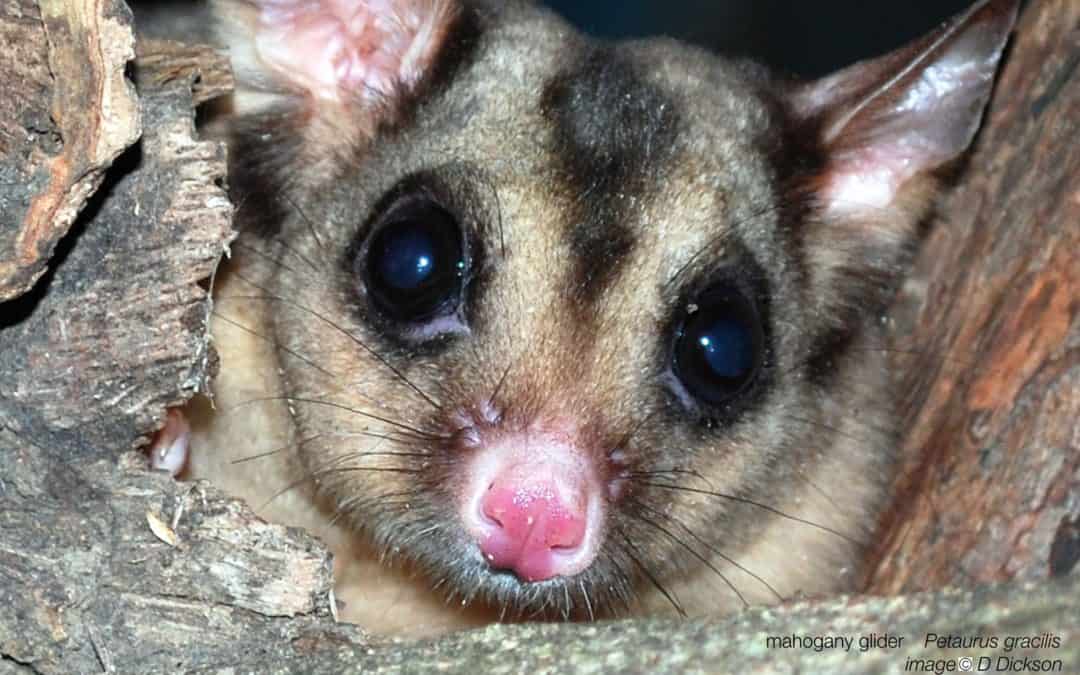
{"points": [[535, 528]]}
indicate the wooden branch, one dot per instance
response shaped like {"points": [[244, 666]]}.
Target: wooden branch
{"points": [[739, 644]]}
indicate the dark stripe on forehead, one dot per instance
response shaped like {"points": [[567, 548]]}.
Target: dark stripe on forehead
{"points": [[611, 123], [612, 130]]}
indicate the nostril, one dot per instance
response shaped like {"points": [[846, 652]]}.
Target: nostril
{"points": [[565, 533], [492, 511], [534, 507], [535, 530]]}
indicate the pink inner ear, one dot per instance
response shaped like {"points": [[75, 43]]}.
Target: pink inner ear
{"points": [[339, 50], [864, 183], [924, 123], [909, 112]]}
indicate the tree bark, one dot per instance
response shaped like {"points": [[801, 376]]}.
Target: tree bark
{"points": [[987, 340], [105, 567], [67, 112]]}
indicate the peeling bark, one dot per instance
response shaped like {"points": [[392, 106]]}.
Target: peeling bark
{"points": [[117, 331], [66, 114]]}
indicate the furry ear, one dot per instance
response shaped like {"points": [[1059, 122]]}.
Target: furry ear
{"points": [[316, 80], [881, 128], [349, 60]]}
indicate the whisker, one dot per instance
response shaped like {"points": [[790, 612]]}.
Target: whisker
{"points": [[836, 430], [408, 439], [307, 221], [340, 406], [275, 343], [296, 252], [342, 509], [315, 475], [719, 553], [702, 559], [888, 433], [276, 262], [499, 386], [630, 552], [713, 241], [751, 502], [816, 488], [623, 589], [959, 363], [355, 340], [669, 472], [539, 611], [585, 599], [270, 453], [629, 435], [386, 453], [486, 180]]}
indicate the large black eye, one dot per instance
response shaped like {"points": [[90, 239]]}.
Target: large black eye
{"points": [[720, 346], [416, 263]]}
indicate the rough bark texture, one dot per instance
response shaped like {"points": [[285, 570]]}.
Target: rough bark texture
{"points": [[57, 64], [115, 570], [987, 336], [107, 568], [117, 331], [738, 644]]}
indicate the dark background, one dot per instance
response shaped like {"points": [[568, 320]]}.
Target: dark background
{"points": [[797, 37], [800, 37]]}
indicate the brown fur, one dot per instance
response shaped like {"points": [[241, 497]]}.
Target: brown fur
{"points": [[312, 426]]}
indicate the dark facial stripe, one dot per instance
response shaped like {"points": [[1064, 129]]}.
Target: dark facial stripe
{"points": [[600, 243], [612, 129]]}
